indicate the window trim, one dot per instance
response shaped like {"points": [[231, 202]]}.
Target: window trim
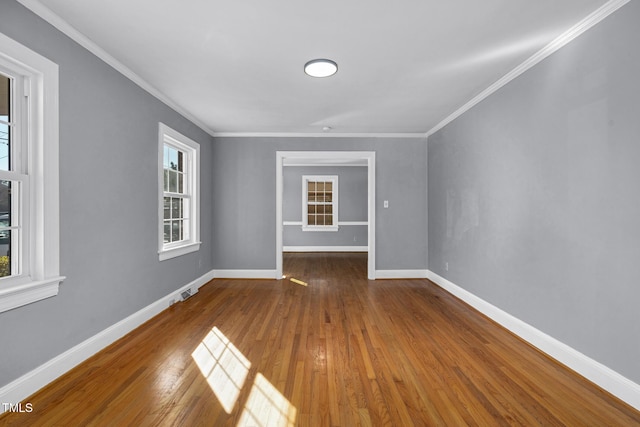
{"points": [[41, 278], [192, 150], [334, 202]]}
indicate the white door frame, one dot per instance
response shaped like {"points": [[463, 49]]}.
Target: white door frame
{"points": [[329, 158]]}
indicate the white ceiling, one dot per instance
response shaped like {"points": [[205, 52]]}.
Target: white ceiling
{"points": [[237, 66]]}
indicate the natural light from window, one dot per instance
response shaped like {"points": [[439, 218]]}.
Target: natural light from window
{"points": [[266, 407], [224, 367], [226, 370]]}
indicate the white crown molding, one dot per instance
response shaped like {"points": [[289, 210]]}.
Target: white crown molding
{"points": [[316, 135], [48, 15], [23, 387], [45, 13], [566, 37], [605, 377]]}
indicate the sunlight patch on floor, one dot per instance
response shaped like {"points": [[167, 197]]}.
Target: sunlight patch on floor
{"points": [[267, 407], [299, 282], [224, 367]]}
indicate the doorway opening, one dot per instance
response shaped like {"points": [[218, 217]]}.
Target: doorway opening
{"points": [[327, 158]]}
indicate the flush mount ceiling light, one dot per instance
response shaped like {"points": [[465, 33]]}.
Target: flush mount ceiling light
{"points": [[320, 68]]}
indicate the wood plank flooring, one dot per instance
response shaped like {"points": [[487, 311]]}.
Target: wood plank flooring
{"points": [[340, 351]]}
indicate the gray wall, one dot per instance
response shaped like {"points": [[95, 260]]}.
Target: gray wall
{"points": [[534, 201], [108, 203], [244, 215], [352, 206]]}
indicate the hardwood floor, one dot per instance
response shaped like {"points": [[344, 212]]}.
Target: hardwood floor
{"points": [[340, 351]]}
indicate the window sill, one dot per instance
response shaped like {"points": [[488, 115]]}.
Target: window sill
{"points": [[320, 228], [178, 251], [18, 295]]}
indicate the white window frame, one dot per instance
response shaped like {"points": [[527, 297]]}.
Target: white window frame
{"points": [[38, 276], [334, 202], [191, 150]]}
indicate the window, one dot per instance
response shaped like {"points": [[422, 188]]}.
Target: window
{"points": [[179, 162], [320, 203], [29, 193]]}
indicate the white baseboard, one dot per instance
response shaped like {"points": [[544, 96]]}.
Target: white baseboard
{"points": [[23, 387], [325, 248], [401, 274], [244, 274], [594, 371]]}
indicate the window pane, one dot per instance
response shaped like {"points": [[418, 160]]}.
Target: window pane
{"points": [[180, 161], [8, 237], [5, 118], [5, 84], [176, 208], [180, 183], [5, 253], [328, 220], [165, 157], [173, 181], [311, 219], [173, 158], [4, 145], [5, 231], [167, 208], [167, 231], [176, 231], [5, 203], [311, 191]]}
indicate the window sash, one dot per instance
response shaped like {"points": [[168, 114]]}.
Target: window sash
{"points": [[176, 219], [16, 267], [176, 216], [18, 227], [16, 125]]}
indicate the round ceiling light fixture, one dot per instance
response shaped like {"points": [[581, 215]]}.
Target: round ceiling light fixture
{"points": [[320, 68]]}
